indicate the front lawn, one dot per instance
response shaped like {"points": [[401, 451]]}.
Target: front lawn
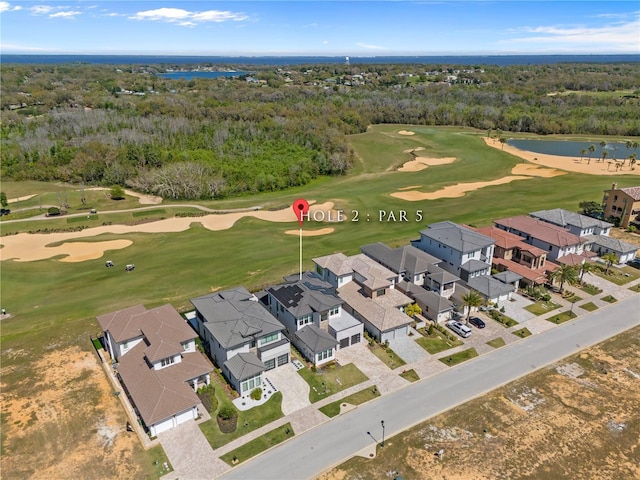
{"points": [[248, 420], [635, 288], [259, 445], [522, 333], [541, 307], [496, 342], [388, 356], [590, 289], [571, 297], [589, 307], [331, 379], [502, 319], [619, 276], [562, 317], [437, 341], [333, 409], [609, 298], [459, 357], [410, 375]]}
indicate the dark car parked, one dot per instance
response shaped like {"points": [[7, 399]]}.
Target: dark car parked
{"points": [[477, 322], [635, 263]]}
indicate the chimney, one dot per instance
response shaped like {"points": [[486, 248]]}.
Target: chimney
{"points": [[614, 186]]}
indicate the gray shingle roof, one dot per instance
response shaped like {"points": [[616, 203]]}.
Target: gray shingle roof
{"points": [[474, 265], [489, 286], [561, 217], [456, 236], [301, 297], [381, 312], [434, 302], [612, 244], [316, 339], [244, 365], [402, 259], [235, 316], [507, 277]]}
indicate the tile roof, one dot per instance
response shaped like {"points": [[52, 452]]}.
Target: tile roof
{"points": [[316, 339], [633, 192], [474, 265], [119, 323], [613, 244], [509, 241], [370, 273], [538, 275], [302, 297], [407, 259], [430, 299], [460, 238], [382, 312], [562, 217], [507, 276], [244, 365], [235, 316], [541, 230], [489, 286]]}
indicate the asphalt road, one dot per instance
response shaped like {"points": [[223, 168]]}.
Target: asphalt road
{"points": [[309, 454]]}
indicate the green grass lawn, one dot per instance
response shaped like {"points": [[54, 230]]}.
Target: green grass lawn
{"points": [[562, 317], [331, 379], [590, 289], [333, 409], [571, 297], [410, 375], [436, 342], [589, 306], [248, 420], [496, 342], [541, 307], [619, 276], [387, 355], [635, 288], [609, 298], [55, 302], [522, 333], [259, 445], [502, 319], [459, 357]]}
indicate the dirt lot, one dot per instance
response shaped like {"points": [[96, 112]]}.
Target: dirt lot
{"points": [[61, 419], [578, 419]]}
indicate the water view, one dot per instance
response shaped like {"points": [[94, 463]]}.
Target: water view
{"points": [[573, 149]]}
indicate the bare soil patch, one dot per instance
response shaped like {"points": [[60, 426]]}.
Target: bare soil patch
{"points": [[65, 422], [578, 419]]}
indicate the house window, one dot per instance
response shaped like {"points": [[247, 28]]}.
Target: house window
{"points": [[305, 320], [550, 247], [125, 345], [167, 361], [334, 311], [324, 316], [268, 339], [380, 292], [324, 355], [355, 338], [185, 346], [318, 269], [251, 383]]}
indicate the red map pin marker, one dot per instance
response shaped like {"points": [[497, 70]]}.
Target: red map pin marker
{"points": [[300, 208]]}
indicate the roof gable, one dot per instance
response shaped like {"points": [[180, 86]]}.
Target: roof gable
{"points": [[458, 237]]}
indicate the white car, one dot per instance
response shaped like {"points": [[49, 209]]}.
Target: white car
{"points": [[460, 328]]}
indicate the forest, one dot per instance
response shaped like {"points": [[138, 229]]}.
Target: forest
{"points": [[274, 128]]}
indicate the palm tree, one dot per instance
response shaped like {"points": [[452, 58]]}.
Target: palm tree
{"points": [[610, 258], [503, 141], [632, 160], [605, 154], [564, 274], [592, 148], [472, 299], [583, 152], [602, 145], [586, 267]]}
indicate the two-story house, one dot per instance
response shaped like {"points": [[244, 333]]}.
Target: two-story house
{"points": [[622, 204], [414, 266], [313, 315], [368, 290], [465, 253], [233, 323], [512, 254], [157, 363], [580, 225]]}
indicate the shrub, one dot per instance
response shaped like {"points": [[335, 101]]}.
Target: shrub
{"points": [[226, 412], [53, 211], [256, 393], [117, 192]]}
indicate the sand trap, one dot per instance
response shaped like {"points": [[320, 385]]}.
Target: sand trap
{"points": [[28, 247], [454, 191], [410, 187], [565, 163], [311, 233], [20, 199], [406, 132], [81, 251], [420, 163], [535, 171]]}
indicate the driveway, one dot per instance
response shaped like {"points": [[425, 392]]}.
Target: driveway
{"points": [[374, 368], [295, 391], [407, 348]]}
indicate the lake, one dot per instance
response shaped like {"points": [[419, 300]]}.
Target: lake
{"points": [[191, 75], [565, 148]]}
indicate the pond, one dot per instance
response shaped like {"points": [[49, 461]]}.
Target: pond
{"points": [[565, 148]]}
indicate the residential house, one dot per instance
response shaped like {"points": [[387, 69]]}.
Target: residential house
{"points": [[157, 364], [234, 323], [580, 225], [434, 307], [512, 254], [368, 290], [313, 315], [556, 241], [601, 245], [622, 205], [413, 265], [465, 252]]}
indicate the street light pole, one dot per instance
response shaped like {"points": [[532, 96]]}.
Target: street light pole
{"points": [[382, 423]]}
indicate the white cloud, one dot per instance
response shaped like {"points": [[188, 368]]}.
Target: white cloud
{"points": [[325, 42], [6, 7], [370, 47], [65, 14], [187, 18], [41, 9]]}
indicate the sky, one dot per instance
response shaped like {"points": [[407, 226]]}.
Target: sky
{"points": [[324, 28]]}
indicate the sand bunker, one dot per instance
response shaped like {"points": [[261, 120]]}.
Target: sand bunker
{"points": [[406, 132], [311, 233], [28, 247], [20, 199], [420, 163], [564, 163], [535, 171]]}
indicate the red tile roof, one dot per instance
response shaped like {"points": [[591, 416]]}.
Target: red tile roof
{"points": [[541, 230], [633, 192], [509, 241]]}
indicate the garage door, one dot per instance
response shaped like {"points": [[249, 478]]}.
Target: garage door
{"points": [[283, 359], [355, 338], [270, 364], [344, 343]]}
